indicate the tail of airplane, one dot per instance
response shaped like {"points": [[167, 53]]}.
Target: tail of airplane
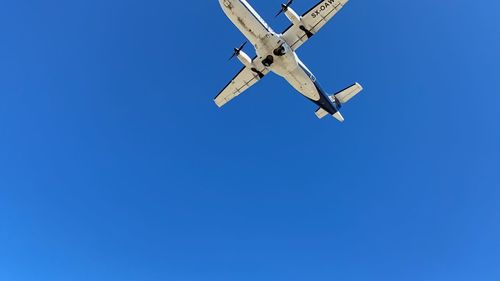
{"points": [[347, 94], [339, 99]]}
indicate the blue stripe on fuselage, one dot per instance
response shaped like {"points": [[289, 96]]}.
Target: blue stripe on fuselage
{"points": [[324, 100]]}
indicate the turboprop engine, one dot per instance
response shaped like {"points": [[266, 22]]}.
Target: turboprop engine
{"points": [[294, 17], [242, 56], [245, 59], [289, 12]]}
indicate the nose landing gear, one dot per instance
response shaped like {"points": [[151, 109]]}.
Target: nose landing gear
{"points": [[278, 52]]}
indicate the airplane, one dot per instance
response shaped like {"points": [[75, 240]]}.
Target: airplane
{"points": [[276, 52]]}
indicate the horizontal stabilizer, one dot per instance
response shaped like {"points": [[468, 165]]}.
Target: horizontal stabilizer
{"points": [[321, 113], [348, 93]]}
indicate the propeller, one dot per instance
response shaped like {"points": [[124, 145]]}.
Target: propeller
{"points": [[238, 50], [284, 7]]}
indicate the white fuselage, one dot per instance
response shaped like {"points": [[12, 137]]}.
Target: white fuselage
{"points": [[272, 51]]}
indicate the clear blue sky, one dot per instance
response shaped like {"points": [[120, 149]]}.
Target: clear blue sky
{"points": [[115, 164]]}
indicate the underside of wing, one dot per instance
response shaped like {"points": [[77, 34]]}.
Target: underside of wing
{"points": [[311, 22], [240, 83]]}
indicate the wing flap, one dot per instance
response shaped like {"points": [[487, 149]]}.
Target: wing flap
{"points": [[240, 83]]}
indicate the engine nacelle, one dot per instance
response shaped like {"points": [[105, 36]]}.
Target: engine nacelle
{"points": [[297, 21], [292, 16], [244, 58]]}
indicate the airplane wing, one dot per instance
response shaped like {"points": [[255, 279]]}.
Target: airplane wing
{"points": [[313, 20], [241, 82]]}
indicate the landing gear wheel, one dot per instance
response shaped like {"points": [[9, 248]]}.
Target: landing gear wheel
{"points": [[268, 61], [280, 51]]}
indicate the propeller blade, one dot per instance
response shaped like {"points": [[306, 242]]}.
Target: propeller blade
{"points": [[236, 51], [242, 46], [284, 7]]}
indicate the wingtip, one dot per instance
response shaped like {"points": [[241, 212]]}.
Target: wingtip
{"points": [[219, 105], [360, 86]]}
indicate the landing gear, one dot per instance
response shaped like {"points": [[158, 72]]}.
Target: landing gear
{"points": [[268, 61], [280, 51]]}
